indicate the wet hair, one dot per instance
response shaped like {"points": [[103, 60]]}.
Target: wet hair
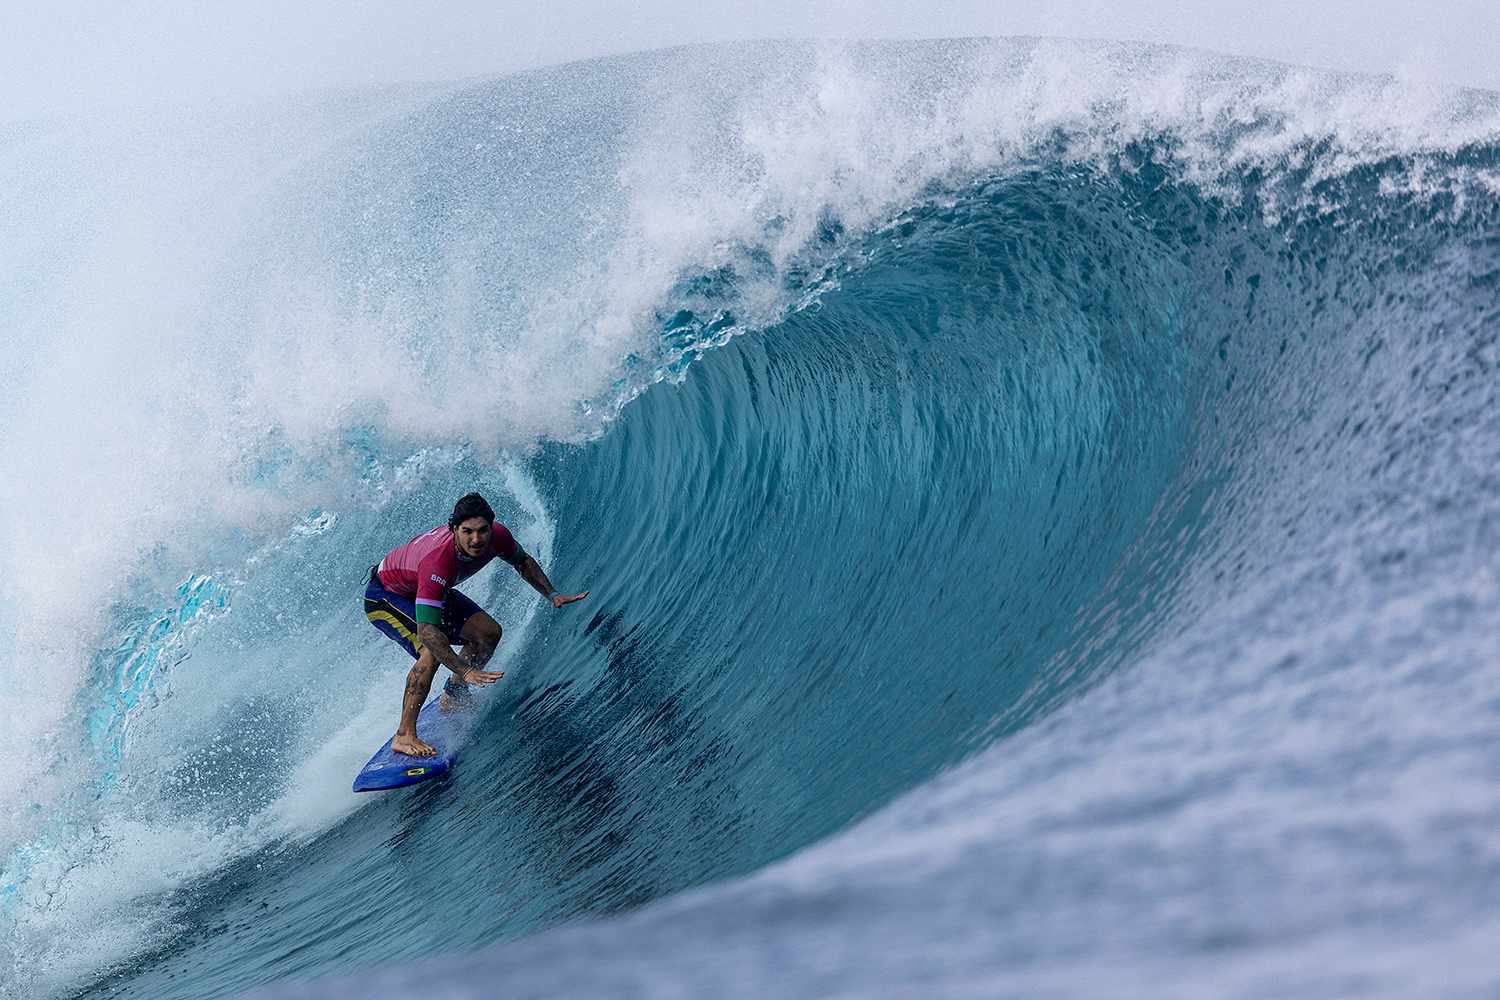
{"points": [[472, 505]]}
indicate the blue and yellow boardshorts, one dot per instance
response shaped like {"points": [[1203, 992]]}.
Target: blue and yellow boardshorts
{"points": [[396, 615]]}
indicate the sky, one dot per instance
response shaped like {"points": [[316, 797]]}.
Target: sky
{"points": [[72, 56]]}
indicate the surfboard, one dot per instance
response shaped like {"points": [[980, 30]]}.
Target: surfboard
{"points": [[444, 730]]}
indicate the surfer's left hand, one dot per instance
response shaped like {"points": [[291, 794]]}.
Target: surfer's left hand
{"points": [[558, 600]]}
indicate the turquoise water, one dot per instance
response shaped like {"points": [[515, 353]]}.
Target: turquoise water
{"points": [[1032, 549]]}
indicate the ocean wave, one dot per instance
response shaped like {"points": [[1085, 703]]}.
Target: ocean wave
{"points": [[995, 373]]}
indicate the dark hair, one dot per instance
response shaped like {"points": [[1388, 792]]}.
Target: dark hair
{"points": [[472, 505]]}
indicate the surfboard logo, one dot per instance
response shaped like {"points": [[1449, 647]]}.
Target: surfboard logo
{"points": [[412, 772]]}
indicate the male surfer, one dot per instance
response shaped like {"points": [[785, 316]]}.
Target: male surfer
{"points": [[411, 598]]}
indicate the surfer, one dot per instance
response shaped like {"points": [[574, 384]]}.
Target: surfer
{"points": [[411, 598]]}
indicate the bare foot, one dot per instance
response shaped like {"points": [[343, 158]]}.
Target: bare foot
{"points": [[411, 746]]}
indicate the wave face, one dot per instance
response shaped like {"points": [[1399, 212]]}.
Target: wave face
{"points": [[1037, 498]]}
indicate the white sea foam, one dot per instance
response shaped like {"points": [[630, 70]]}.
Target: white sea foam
{"points": [[183, 368]]}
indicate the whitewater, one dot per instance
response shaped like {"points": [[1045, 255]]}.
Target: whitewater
{"points": [[1038, 499]]}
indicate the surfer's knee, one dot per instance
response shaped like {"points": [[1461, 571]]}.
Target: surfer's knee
{"points": [[482, 630]]}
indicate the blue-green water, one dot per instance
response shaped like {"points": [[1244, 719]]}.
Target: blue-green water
{"points": [[1092, 493]]}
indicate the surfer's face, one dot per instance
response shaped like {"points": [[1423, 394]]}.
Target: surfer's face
{"points": [[472, 537]]}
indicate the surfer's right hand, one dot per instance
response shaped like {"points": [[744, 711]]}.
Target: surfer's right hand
{"points": [[482, 677]]}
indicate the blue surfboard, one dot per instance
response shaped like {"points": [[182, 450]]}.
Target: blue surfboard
{"points": [[445, 731]]}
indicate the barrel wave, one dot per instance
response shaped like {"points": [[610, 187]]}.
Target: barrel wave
{"points": [[1037, 499]]}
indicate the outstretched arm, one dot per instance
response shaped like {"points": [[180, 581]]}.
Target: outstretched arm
{"points": [[532, 573], [434, 639]]}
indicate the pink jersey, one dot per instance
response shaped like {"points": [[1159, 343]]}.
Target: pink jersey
{"points": [[430, 565]]}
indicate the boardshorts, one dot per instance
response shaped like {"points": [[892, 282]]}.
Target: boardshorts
{"points": [[396, 614]]}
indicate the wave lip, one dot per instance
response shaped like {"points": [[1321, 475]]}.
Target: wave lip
{"points": [[1005, 374]]}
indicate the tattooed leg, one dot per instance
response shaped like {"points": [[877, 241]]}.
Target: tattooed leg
{"points": [[418, 683]]}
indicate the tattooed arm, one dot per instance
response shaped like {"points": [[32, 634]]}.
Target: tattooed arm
{"points": [[435, 642], [532, 573]]}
